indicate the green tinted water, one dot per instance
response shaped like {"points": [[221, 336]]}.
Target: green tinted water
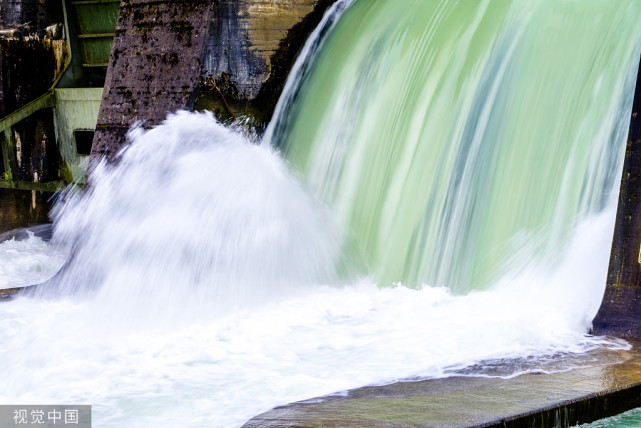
{"points": [[450, 135], [631, 419]]}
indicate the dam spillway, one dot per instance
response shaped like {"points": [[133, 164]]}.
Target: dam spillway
{"points": [[433, 139], [203, 252]]}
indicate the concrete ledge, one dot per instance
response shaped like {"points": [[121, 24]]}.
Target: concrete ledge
{"points": [[606, 383]]}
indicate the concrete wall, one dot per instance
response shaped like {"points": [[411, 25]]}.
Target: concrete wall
{"points": [[620, 312], [200, 54], [251, 46], [154, 66], [244, 36], [76, 109]]}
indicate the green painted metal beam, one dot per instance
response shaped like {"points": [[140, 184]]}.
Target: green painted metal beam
{"points": [[51, 186], [46, 100]]}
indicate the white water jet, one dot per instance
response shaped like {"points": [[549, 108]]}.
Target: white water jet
{"points": [[195, 214]]}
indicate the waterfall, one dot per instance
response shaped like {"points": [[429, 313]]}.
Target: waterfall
{"points": [[459, 139]]}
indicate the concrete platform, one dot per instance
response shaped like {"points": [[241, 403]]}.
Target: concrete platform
{"points": [[570, 390]]}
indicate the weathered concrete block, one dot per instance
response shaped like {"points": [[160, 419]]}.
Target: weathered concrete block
{"points": [[245, 35], [251, 47], [167, 53], [154, 66]]}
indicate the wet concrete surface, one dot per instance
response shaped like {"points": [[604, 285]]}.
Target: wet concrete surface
{"points": [[566, 391]]}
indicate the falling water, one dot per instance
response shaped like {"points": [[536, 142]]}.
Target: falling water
{"points": [[207, 283], [452, 134]]}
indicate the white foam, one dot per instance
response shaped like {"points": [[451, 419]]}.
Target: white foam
{"points": [[215, 296], [29, 261]]}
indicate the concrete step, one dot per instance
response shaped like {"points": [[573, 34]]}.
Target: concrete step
{"points": [[603, 383]]}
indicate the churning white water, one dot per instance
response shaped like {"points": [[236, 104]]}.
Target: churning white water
{"points": [[28, 261], [207, 286]]}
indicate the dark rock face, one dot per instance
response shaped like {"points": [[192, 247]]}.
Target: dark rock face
{"points": [[620, 312], [154, 66]]}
